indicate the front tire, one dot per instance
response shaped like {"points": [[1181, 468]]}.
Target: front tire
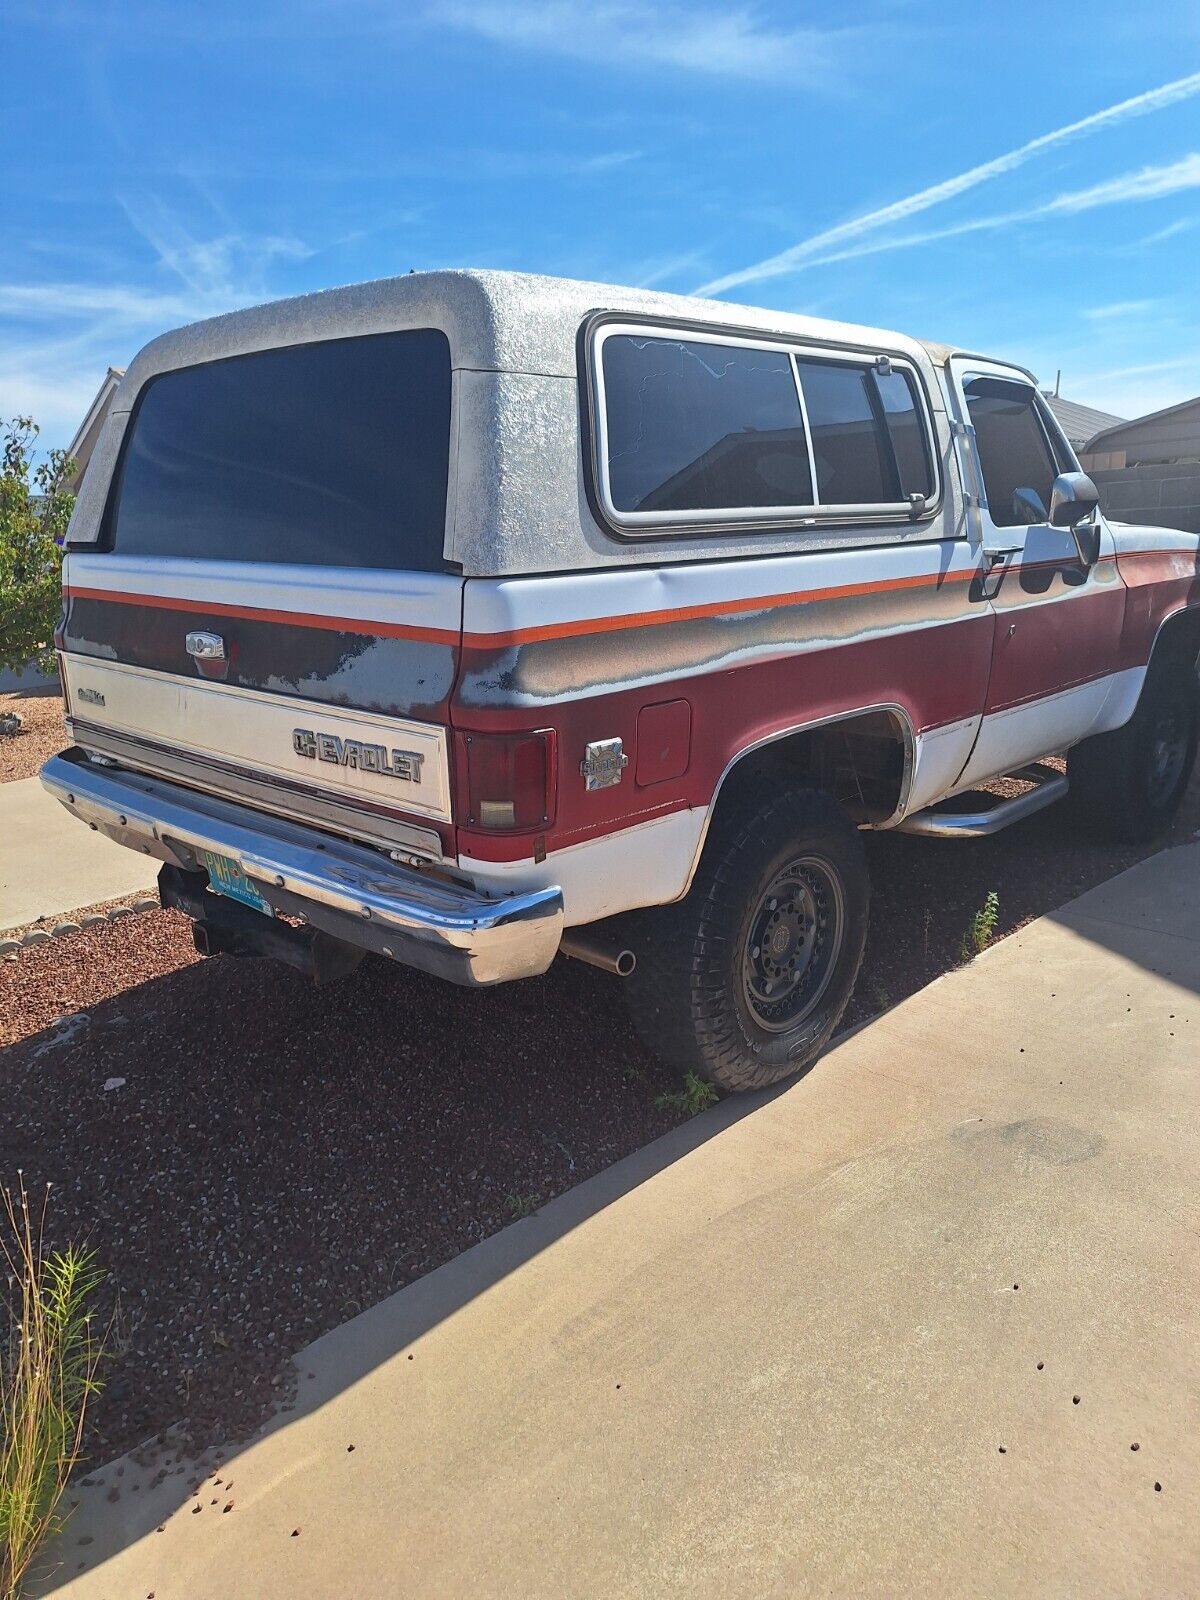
{"points": [[1127, 785], [744, 980]]}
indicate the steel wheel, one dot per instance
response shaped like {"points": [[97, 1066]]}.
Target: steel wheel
{"points": [[1168, 754], [793, 943]]}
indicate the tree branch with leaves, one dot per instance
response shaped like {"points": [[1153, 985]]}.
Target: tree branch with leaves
{"points": [[35, 507]]}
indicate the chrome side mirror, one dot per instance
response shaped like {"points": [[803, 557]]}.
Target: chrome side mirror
{"points": [[1074, 502]]}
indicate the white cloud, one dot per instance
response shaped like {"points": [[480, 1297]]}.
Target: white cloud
{"points": [[231, 267], [789, 260], [1184, 225], [55, 399], [55, 301], [1120, 309], [730, 43]]}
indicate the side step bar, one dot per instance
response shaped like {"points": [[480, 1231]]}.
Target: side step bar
{"points": [[937, 824]]}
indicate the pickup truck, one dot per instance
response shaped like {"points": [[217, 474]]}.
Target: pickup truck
{"points": [[469, 619]]}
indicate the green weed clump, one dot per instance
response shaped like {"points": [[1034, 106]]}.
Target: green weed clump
{"points": [[981, 927], [48, 1374], [696, 1095]]}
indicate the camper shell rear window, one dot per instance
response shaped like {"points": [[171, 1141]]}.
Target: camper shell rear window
{"points": [[696, 428], [334, 453]]}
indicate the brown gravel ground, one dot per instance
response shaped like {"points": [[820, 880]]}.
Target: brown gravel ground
{"points": [[43, 735], [280, 1157]]}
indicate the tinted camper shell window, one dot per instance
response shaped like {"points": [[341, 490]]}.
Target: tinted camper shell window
{"points": [[334, 453]]}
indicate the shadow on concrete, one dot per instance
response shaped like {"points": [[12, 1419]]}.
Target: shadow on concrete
{"points": [[253, 1065]]}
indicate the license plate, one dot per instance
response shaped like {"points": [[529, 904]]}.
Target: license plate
{"points": [[227, 877]]}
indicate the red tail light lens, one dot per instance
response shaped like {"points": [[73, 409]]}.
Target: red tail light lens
{"points": [[510, 780]]}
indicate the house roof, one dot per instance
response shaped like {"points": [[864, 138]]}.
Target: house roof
{"points": [[86, 435], [1080, 423], [1099, 440]]}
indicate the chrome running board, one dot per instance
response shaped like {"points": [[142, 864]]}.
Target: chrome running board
{"points": [[937, 824]]}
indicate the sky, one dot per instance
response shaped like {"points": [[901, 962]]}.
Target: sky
{"points": [[1018, 178]]}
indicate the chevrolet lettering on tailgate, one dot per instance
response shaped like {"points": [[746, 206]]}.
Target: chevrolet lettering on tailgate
{"points": [[403, 764]]}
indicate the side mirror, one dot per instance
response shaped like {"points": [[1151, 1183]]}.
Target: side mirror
{"points": [[1074, 501], [1028, 508]]}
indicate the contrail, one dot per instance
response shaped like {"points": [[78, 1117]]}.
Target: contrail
{"points": [[1151, 183], [775, 266]]}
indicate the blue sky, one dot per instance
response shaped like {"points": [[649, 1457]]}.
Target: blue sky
{"points": [[1019, 178]]}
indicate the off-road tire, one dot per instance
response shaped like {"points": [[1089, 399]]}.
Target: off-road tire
{"points": [[688, 994], [1113, 775]]}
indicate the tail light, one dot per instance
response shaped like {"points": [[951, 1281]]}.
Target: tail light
{"points": [[510, 780]]}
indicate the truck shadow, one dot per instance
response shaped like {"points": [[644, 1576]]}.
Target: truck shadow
{"points": [[279, 1159]]}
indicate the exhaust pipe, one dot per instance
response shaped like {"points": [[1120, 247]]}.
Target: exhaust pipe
{"points": [[608, 957]]}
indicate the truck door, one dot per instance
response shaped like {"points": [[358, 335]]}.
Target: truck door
{"points": [[1058, 624]]}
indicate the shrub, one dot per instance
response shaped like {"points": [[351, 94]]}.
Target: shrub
{"points": [[35, 507], [48, 1369]]}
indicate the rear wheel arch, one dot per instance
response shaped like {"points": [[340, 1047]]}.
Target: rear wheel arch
{"points": [[868, 753]]}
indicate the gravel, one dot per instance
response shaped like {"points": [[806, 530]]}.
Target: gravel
{"points": [[276, 1158], [41, 735]]}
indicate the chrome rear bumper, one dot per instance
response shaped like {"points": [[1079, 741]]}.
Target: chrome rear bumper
{"points": [[348, 890]]}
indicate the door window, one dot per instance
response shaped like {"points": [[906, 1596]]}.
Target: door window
{"points": [[1014, 453]]}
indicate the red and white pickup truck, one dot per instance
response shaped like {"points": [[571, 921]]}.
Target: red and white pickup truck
{"points": [[471, 618]]}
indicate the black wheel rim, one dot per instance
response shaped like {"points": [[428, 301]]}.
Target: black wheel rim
{"points": [[1168, 755], [793, 942]]}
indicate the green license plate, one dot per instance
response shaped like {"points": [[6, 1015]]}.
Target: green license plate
{"points": [[227, 877]]}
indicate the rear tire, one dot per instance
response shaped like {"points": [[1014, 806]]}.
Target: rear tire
{"points": [[744, 980], [1127, 785]]}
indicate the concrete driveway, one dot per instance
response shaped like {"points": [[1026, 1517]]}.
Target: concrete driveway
{"points": [[922, 1324], [50, 864]]}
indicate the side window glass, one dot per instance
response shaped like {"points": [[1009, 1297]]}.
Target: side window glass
{"points": [[906, 431], [693, 426], [855, 464], [1018, 468]]}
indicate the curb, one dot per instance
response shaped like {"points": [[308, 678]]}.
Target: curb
{"points": [[36, 936]]}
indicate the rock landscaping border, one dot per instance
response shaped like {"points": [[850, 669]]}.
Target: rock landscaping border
{"points": [[43, 931]]}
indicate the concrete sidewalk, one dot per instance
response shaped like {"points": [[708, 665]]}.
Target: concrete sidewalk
{"points": [[51, 864], [922, 1324]]}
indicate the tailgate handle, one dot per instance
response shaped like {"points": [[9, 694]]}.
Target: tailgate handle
{"points": [[205, 646]]}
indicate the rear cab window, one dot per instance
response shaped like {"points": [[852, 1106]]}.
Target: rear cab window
{"points": [[334, 453], [693, 429]]}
